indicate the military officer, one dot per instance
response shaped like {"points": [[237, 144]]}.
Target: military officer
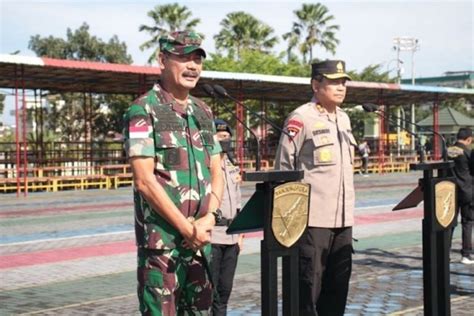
{"points": [[169, 140], [321, 132], [226, 248]]}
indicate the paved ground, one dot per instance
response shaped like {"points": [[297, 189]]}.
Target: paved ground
{"points": [[73, 253]]}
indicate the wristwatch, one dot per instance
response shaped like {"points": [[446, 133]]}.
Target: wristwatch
{"points": [[217, 215]]}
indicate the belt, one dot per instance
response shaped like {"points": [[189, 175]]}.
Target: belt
{"points": [[224, 222]]}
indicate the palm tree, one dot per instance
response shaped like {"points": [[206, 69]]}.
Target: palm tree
{"points": [[166, 18], [293, 38], [241, 30], [314, 20]]}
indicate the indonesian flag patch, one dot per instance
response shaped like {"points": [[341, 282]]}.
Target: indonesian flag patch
{"points": [[294, 127], [139, 129]]}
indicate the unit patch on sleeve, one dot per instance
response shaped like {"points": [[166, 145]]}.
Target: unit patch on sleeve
{"points": [[293, 127], [139, 128]]}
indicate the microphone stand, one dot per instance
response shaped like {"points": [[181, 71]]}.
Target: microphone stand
{"points": [[210, 92], [421, 151], [444, 152], [222, 92]]}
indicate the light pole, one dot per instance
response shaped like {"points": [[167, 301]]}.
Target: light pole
{"points": [[399, 67], [409, 44]]}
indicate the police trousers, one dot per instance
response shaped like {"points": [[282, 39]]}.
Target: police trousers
{"points": [[223, 264], [173, 282], [325, 270]]}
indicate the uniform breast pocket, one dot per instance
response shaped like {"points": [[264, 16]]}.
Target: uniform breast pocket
{"points": [[324, 152], [170, 155]]}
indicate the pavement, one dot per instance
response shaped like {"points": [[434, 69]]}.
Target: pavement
{"points": [[73, 253]]}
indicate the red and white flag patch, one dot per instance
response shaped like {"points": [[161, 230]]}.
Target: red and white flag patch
{"points": [[139, 129]]}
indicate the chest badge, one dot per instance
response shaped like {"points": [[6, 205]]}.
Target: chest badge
{"points": [[290, 212], [445, 193], [325, 155]]}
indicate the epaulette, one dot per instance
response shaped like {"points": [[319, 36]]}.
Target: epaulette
{"points": [[455, 151], [320, 108]]}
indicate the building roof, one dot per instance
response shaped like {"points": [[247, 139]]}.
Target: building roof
{"points": [[57, 75], [459, 76], [448, 117]]}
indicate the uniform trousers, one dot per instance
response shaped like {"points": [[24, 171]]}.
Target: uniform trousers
{"points": [[223, 265], [173, 282], [325, 270], [467, 220]]}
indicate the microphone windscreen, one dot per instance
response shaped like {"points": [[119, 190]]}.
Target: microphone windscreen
{"points": [[220, 90], [370, 107], [208, 90]]}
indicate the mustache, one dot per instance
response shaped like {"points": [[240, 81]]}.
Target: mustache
{"points": [[191, 73]]}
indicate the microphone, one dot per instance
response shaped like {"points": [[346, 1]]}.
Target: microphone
{"points": [[370, 107], [223, 93], [210, 92]]}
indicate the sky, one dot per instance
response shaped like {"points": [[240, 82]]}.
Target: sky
{"points": [[445, 29]]}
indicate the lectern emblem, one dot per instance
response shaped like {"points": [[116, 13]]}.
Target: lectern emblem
{"points": [[290, 212], [445, 195]]}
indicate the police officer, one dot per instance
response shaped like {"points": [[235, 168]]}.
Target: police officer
{"points": [[177, 183], [321, 131], [460, 152], [225, 248]]}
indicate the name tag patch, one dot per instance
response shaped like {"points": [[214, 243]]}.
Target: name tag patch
{"points": [[321, 131]]}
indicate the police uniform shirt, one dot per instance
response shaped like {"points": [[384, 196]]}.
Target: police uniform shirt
{"points": [[325, 148], [231, 201]]}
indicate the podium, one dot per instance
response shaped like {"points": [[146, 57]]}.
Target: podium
{"points": [[440, 204], [262, 213]]}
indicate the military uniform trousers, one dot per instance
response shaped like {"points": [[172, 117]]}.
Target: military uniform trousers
{"points": [[223, 265], [174, 282], [325, 270]]}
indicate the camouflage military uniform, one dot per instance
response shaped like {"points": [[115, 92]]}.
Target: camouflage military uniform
{"points": [[182, 143]]}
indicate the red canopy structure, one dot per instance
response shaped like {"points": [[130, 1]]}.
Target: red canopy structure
{"points": [[56, 75]]}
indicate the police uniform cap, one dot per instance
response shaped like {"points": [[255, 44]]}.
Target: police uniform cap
{"points": [[330, 69], [182, 43]]}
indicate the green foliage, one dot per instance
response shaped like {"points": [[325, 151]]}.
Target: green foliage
{"points": [[68, 121], [314, 23], [2, 103], [81, 45], [372, 73], [256, 62], [458, 105], [242, 31], [166, 18]]}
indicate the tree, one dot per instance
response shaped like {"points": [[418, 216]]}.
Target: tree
{"points": [[314, 21], [241, 31], [69, 110], [2, 103], [81, 45], [166, 18], [371, 73], [458, 105], [293, 38]]}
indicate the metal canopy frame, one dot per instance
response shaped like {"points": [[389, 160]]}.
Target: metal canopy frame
{"points": [[57, 75]]}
